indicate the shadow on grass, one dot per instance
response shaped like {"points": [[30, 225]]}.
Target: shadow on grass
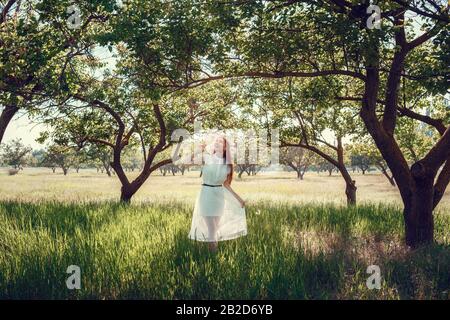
{"points": [[252, 267], [421, 274]]}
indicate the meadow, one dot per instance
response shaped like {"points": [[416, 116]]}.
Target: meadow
{"points": [[303, 242]]}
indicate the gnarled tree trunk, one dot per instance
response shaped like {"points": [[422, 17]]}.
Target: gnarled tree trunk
{"points": [[350, 192], [5, 118], [416, 184]]}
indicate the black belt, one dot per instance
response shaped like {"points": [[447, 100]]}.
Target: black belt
{"points": [[211, 185]]}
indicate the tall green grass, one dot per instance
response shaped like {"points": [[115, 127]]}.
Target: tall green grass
{"points": [[142, 252]]}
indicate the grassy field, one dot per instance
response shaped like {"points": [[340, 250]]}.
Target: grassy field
{"points": [[302, 242], [33, 185]]}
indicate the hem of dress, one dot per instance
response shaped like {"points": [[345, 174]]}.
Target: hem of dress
{"points": [[231, 237]]}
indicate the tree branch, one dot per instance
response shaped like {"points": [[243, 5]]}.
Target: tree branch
{"points": [[439, 153], [441, 183], [160, 164], [313, 149], [438, 124], [424, 37], [274, 75], [440, 17], [96, 140], [5, 10], [392, 86]]}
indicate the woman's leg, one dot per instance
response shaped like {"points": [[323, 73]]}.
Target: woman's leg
{"points": [[212, 223]]}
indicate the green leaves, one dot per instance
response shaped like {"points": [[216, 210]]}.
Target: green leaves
{"points": [[14, 153], [38, 50]]}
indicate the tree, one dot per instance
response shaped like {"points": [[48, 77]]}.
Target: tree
{"points": [[298, 159], [361, 159], [79, 159], [59, 156], [37, 48], [113, 114], [250, 169], [132, 159], [251, 157], [366, 149], [99, 156], [326, 166], [160, 47], [37, 157], [172, 168], [15, 153], [274, 40], [182, 168], [300, 108]]}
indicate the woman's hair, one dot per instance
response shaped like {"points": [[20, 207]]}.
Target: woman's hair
{"points": [[228, 160]]}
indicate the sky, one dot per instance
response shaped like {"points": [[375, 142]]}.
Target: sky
{"points": [[21, 127]]}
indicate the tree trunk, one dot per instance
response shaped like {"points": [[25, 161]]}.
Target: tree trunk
{"points": [[339, 165], [418, 211], [65, 170], [390, 179], [350, 192], [5, 118], [350, 184], [416, 183], [126, 193], [441, 183], [107, 167], [419, 222], [300, 173], [129, 189]]}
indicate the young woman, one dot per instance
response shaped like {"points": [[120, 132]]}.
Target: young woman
{"points": [[219, 212]]}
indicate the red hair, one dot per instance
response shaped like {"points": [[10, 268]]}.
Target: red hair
{"points": [[228, 160]]}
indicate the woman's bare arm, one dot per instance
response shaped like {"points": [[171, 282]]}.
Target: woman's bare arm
{"points": [[189, 158], [228, 187]]}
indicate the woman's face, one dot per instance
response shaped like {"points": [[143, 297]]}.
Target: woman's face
{"points": [[219, 145]]}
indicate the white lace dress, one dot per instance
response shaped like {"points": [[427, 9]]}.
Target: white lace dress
{"points": [[218, 215]]}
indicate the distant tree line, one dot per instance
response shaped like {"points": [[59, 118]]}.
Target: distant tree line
{"points": [[17, 155]]}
